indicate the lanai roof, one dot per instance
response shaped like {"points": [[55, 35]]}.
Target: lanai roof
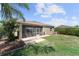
{"points": [[34, 23]]}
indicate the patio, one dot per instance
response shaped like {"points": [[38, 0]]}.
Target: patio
{"points": [[34, 39]]}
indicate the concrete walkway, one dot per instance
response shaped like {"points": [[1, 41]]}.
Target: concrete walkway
{"points": [[34, 39]]}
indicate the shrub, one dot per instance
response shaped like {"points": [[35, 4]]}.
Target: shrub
{"points": [[68, 31], [10, 28], [33, 49]]}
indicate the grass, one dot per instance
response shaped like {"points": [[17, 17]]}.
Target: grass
{"points": [[55, 45]]}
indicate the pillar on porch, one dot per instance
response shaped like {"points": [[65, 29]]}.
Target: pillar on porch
{"points": [[20, 31]]}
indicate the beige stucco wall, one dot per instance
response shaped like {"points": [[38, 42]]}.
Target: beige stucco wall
{"points": [[46, 30]]}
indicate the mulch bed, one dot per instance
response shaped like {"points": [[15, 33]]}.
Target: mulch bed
{"points": [[8, 46]]}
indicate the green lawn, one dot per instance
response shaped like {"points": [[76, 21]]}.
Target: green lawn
{"points": [[58, 45]]}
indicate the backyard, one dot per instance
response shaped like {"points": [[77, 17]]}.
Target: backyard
{"points": [[55, 45]]}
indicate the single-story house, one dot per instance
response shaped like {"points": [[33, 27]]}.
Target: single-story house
{"points": [[32, 28]]}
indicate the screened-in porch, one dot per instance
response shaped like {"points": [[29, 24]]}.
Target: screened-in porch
{"points": [[28, 31]]}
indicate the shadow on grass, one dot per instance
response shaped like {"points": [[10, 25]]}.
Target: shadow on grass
{"points": [[32, 49]]}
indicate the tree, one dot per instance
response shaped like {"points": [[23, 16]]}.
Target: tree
{"points": [[8, 10]]}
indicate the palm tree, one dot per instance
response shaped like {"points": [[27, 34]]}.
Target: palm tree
{"points": [[7, 13], [8, 10]]}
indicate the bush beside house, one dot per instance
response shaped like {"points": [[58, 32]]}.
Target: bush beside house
{"points": [[10, 27]]}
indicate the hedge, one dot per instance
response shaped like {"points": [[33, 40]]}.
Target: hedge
{"points": [[68, 31]]}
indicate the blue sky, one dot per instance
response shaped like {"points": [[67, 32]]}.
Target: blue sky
{"points": [[53, 14]]}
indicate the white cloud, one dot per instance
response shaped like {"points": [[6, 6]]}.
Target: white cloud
{"points": [[49, 9], [56, 22], [74, 18], [45, 16], [74, 21], [40, 7], [56, 9], [63, 21]]}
